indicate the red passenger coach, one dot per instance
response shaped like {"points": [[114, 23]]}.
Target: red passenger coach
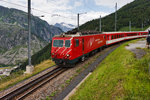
{"points": [[70, 48], [114, 37]]}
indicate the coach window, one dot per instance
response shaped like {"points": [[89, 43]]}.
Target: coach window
{"points": [[67, 43], [112, 36], [76, 42], [104, 37]]}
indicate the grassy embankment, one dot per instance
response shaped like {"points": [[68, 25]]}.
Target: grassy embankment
{"points": [[5, 67], [119, 76], [20, 76]]}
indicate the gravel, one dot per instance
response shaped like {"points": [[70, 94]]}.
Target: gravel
{"points": [[24, 82], [57, 85]]}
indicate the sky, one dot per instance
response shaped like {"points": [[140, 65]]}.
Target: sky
{"points": [[57, 11]]}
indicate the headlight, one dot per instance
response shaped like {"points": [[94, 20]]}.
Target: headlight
{"points": [[67, 55]]}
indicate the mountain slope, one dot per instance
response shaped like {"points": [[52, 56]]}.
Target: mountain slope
{"points": [[13, 44], [38, 27], [137, 12], [38, 57], [14, 35]]}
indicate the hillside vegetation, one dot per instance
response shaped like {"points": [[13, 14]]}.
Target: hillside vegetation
{"points": [[119, 77], [38, 57], [137, 12]]}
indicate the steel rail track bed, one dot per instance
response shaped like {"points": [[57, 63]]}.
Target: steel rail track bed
{"points": [[32, 85]]}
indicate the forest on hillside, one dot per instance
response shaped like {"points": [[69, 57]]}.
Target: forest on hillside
{"points": [[137, 12]]}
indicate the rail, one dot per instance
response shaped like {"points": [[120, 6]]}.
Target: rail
{"points": [[23, 91]]}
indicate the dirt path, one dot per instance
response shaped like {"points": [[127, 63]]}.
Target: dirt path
{"points": [[136, 48]]}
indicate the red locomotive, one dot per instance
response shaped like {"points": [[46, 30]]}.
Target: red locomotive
{"points": [[70, 48]]}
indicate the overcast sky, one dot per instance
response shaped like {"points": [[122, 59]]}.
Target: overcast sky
{"points": [[57, 11]]}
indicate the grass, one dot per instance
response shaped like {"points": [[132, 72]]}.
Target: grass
{"points": [[69, 80], [53, 94], [5, 67], [119, 76], [20, 76]]}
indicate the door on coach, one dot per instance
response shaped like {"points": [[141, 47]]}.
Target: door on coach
{"points": [[78, 47]]}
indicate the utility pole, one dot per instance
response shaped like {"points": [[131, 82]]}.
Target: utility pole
{"points": [[29, 32], [116, 17], [142, 25], [130, 26], [78, 21], [78, 18], [29, 67], [100, 24]]}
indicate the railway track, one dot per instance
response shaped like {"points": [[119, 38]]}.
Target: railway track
{"points": [[23, 91]]}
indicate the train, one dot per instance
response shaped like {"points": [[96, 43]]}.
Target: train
{"points": [[69, 48]]}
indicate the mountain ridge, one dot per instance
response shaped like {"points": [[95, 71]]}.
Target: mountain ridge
{"points": [[65, 27]]}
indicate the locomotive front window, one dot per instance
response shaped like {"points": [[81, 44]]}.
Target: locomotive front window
{"points": [[58, 43], [67, 43]]}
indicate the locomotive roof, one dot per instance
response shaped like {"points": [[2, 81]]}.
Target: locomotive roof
{"points": [[76, 34], [122, 32], [86, 33]]}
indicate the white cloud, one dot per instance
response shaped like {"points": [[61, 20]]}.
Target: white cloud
{"points": [[111, 3], [90, 16], [78, 3], [72, 18]]}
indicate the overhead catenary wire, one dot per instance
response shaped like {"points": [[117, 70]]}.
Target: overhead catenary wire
{"points": [[14, 4], [35, 9]]}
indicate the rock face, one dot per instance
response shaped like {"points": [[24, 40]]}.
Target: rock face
{"points": [[38, 27], [14, 35], [13, 44]]}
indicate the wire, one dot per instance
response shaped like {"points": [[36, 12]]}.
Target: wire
{"points": [[35, 9], [13, 3]]}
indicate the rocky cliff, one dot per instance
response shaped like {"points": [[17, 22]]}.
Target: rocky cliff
{"points": [[14, 35]]}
